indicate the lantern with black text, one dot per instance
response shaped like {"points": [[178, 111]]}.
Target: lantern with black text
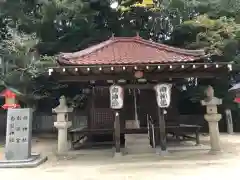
{"points": [[163, 95], [10, 99], [116, 97]]}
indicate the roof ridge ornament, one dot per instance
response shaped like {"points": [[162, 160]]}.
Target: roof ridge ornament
{"points": [[113, 36], [137, 35]]}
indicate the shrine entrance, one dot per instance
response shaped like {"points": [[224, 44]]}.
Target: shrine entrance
{"points": [[140, 124], [138, 117]]}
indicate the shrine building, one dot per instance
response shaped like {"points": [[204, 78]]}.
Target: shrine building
{"points": [[137, 65]]}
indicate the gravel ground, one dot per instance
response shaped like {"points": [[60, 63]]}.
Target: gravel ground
{"points": [[99, 164]]}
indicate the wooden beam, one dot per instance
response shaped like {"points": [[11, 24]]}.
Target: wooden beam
{"points": [[71, 72], [157, 68], [132, 86], [148, 76], [131, 66], [187, 68]]}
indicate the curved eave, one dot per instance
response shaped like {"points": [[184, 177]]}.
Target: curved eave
{"points": [[65, 62], [151, 72]]}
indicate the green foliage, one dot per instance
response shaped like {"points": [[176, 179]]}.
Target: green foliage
{"points": [[214, 36], [24, 68], [33, 32]]}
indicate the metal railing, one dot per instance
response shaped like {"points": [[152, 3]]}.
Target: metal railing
{"points": [[151, 131]]}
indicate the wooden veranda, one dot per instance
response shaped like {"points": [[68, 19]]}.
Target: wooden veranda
{"points": [[137, 65]]}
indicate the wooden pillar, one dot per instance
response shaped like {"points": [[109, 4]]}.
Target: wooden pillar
{"points": [[92, 113], [157, 131], [117, 132], [162, 129], [116, 103]]}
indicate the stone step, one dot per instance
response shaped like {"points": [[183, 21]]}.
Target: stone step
{"points": [[138, 144]]}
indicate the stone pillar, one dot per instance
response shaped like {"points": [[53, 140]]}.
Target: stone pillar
{"points": [[229, 121], [212, 117], [62, 124]]}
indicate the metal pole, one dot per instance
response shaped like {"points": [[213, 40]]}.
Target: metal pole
{"points": [[153, 135], [148, 126]]}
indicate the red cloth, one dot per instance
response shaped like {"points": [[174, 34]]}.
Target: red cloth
{"points": [[237, 100]]}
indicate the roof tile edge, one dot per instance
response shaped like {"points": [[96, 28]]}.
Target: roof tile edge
{"points": [[137, 38]]}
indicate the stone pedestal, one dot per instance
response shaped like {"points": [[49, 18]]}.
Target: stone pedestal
{"points": [[229, 121], [62, 124], [212, 117], [212, 120], [18, 148], [63, 145]]}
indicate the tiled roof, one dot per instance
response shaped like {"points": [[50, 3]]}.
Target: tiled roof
{"points": [[129, 50]]}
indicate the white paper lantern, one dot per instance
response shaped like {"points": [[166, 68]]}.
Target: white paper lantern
{"points": [[116, 97], [163, 95]]}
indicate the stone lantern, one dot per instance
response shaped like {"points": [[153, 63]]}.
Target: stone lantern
{"points": [[62, 124], [212, 117]]}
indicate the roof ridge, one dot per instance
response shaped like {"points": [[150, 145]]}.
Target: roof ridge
{"points": [[198, 52], [88, 50], [139, 39]]}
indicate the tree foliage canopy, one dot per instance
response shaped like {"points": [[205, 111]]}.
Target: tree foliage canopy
{"points": [[33, 31]]}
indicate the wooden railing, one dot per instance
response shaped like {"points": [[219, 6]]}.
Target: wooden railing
{"points": [[43, 122], [151, 131]]}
